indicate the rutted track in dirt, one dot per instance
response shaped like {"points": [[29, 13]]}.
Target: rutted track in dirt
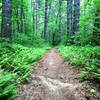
{"points": [[55, 79]]}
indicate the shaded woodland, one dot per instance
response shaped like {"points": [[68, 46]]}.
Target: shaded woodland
{"points": [[28, 28], [54, 22]]}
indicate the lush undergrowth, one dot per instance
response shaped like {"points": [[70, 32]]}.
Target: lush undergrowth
{"points": [[86, 58], [16, 62]]}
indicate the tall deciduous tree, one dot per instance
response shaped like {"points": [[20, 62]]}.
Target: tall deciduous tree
{"points": [[22, 17], [46, 20], [6, 18], [17, 20], [36, 15], [76, 16], [69, 16], [60, 5], [33, 15]]}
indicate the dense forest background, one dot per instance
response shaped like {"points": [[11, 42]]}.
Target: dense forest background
{"points": [[28, 28], [52, 21]]}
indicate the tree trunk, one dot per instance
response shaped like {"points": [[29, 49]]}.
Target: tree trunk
{"points": [[46, 20], [76, 16], [36, 16], [6, 18], [33, 15], [60, 5], [17, 20], [69, 17], [21, 19]]}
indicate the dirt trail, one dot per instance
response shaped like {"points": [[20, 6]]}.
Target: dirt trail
{"points": [[55, 79]]}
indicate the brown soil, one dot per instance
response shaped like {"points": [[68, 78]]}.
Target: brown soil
{"points": [[55, 79]]}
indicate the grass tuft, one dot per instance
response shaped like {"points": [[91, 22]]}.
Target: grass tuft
{"points": [[16, 63], [86, 58]]}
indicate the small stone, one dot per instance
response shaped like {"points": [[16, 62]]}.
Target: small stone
{"points": [[61, 76], [45, 68], [93, 91]]}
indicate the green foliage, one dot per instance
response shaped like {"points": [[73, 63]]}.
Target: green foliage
{"points": [[29, 40], [89, 32], [28, 23], [8, 84], [16, 62], [17, 58], [87, 58]]}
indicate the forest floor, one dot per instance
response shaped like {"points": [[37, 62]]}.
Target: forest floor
{"points": [[55, 79]]}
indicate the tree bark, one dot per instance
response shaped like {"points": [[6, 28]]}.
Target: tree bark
{"points": [[46, 20], [76, 16], [33, 15], [21, 19], [17, 20], [36, 16], [6, 18], [69, 17], [60, 5]]}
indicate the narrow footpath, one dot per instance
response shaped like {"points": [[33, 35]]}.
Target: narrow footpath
{"points": [[55, 79]]}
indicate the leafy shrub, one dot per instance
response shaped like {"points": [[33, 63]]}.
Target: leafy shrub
{"points": [[7, 85], [27, 39], [16, 62], [87, 58]]}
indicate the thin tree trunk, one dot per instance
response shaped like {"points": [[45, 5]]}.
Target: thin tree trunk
{"points": [[69, 17], [46, 20], [33, 15], [17, 21], [76, 16], [49, 8], [22, 30], [36, 16], [60, 5]]}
